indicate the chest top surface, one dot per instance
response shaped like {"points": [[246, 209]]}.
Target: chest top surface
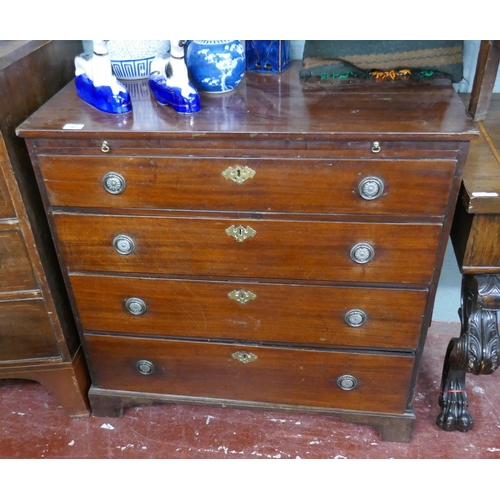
{"points": [[278, 106]]}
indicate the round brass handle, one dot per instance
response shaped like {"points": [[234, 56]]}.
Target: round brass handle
{"points": [[135, 306], [376, 148], [105, 147], [347, 382], [114, 183], [371, 188], [355, 318], [145, 367], [124, 244], [361, 253]]}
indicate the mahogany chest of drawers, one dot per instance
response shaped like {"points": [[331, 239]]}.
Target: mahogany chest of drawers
{"points": [[279, 249]]}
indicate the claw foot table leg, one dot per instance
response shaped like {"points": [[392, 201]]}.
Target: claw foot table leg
{"points": [[476, 351]]}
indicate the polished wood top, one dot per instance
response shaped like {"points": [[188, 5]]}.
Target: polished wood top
{"points": [[481, 180], [275, 106]]}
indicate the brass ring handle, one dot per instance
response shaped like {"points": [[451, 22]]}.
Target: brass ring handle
{"points": [[145, 367], [114, 183], [355, 318], [361, 253], [347, 382], [376, 148], [124, 244], [371, 188], [105, 147]]}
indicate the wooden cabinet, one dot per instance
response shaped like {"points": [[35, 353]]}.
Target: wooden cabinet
{"points": [[38, 336], [279, 249]]}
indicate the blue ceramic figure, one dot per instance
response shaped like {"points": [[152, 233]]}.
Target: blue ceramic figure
{"points": [[216, 66], [271, 56], [96, 84], [169, 80]]}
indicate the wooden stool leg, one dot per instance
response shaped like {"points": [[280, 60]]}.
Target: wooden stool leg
{"points": [[477, 350]]}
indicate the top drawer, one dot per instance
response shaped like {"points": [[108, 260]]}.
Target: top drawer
{"points": [[378, 187]]}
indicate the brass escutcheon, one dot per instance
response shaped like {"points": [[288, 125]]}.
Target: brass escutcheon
{"points": [[241, 233], [242, 296], [238, 174], [244, 356]]}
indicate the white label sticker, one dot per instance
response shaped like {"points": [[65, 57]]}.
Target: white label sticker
{"points": [[73, 126], [483, 194]]}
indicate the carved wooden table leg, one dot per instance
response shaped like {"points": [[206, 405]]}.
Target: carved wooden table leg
{"points": [[475, 351]]}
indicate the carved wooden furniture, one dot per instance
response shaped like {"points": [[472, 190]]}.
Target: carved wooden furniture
{"points": [[38, 337], [278, 249], [475, 236]]}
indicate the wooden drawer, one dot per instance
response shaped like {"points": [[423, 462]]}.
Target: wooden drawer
{"points": [[15, 267], [276, 313], [264, 144], [25, 331], [296, 250], [278, 375], [418, 187]]}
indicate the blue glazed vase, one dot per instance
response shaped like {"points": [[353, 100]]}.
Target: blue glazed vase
{"points": [[216, 66], [272, 56]]}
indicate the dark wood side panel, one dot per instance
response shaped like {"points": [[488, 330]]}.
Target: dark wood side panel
{"points": [[484, 79], [50, 65], [483, 249], [279, 376], [6, 207]]}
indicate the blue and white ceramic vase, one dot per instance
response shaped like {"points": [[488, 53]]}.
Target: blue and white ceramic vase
{"points": [[216, 66], [131, 59]]}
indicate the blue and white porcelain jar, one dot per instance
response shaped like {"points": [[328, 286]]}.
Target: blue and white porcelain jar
{"points": [[131, 59], [216, 66]]}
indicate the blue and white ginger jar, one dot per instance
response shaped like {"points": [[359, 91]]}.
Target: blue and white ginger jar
{"points": [[216, 66], [131, 59]]}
